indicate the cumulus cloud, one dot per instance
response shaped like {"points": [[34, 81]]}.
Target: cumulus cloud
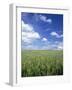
{"points": [[45, 19], [31, 35], [44, 39], [56, 35], [26, 27], [28, 33]]}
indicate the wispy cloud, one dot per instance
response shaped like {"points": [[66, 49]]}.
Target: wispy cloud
{"points": [[45, 19], [56, 35]]}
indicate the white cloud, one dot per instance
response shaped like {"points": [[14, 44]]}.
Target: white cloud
{"points": [[60, 46], [53, 46], [28, 33], [31, 35], [56, 35], [44, 18], [49, 20], [26, 27], [26, 40], [44, 39]]}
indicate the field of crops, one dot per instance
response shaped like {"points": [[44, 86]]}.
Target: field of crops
{"points": [[41, 62]]}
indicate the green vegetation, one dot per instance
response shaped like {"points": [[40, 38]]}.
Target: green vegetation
{"points": [[41, 62]]}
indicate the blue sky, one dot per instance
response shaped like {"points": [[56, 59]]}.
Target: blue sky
{"points": [[42, 31]]}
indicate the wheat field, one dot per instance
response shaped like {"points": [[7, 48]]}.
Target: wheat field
{"points": [[41, 63]]}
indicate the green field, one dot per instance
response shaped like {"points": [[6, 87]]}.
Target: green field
{"points": [[41, 63]]}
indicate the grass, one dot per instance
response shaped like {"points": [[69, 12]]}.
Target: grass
{"points": [[41, 62]]}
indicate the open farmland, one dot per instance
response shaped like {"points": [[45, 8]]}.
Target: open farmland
{"points": [[41, 62]]}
